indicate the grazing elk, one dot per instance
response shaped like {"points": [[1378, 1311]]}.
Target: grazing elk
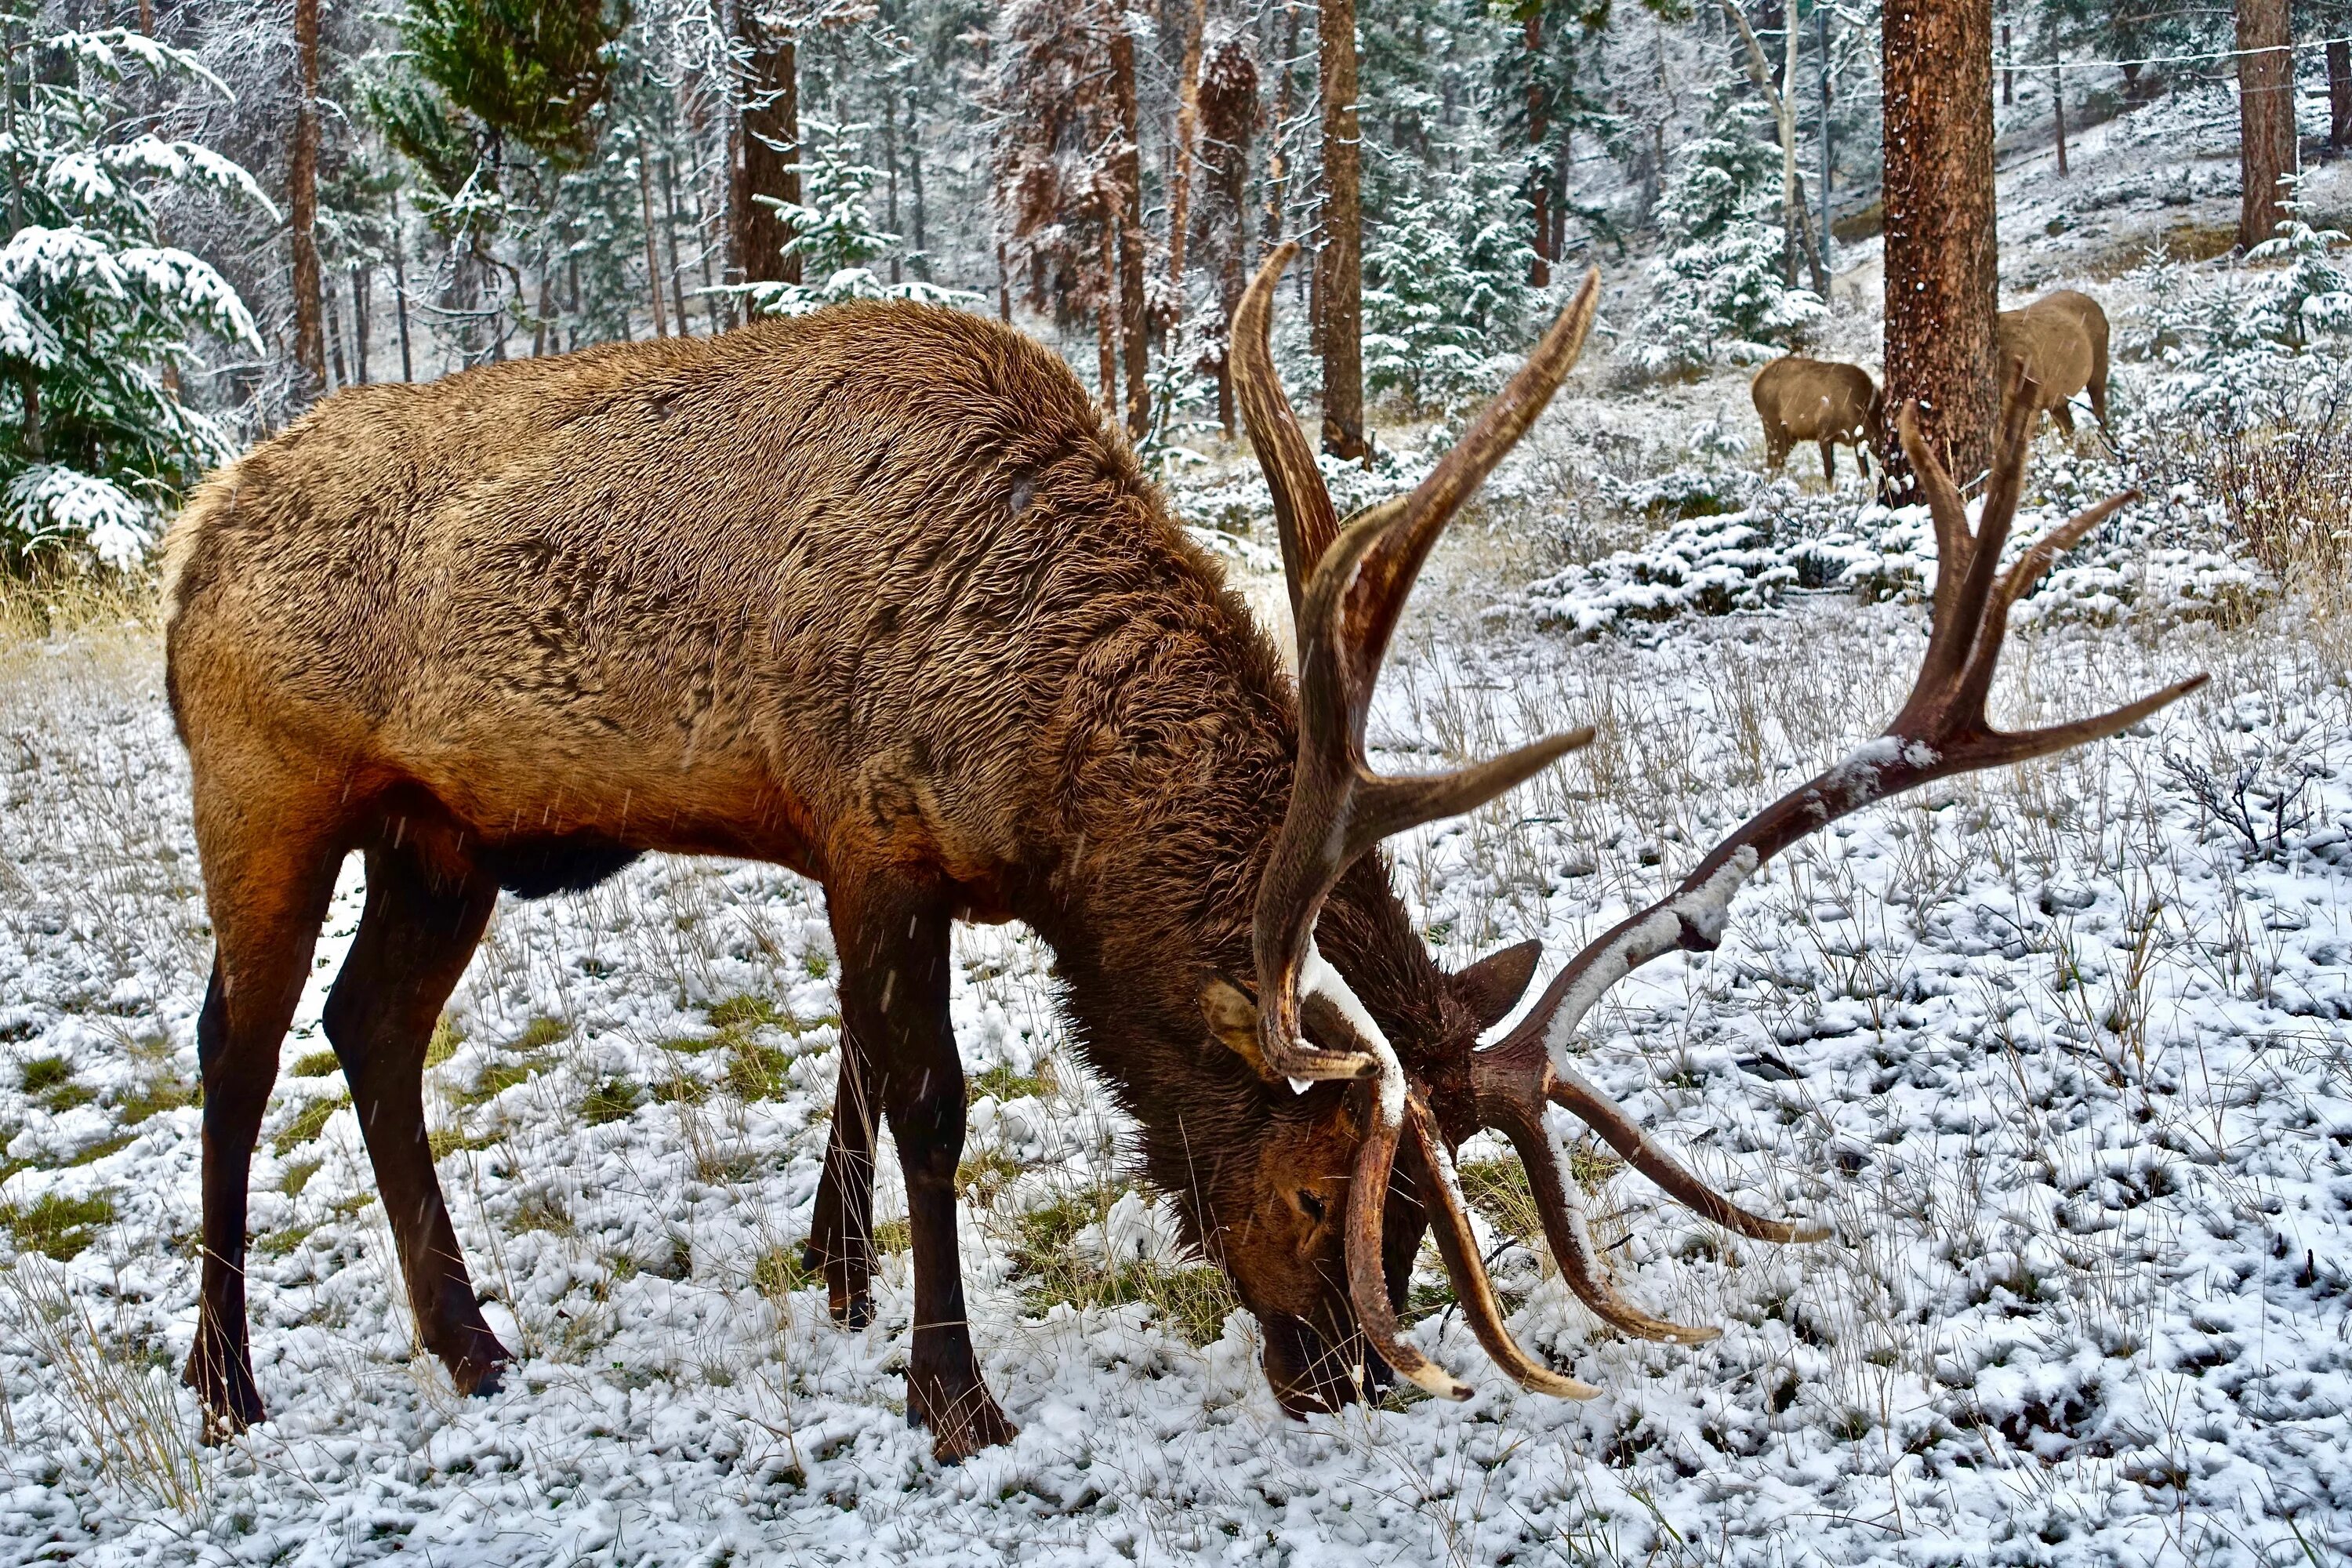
{"points": [[1802, 399], [2063, 340], [875, 593]]}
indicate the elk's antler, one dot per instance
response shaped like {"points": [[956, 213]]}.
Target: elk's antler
{"points": [[1941, 730], [1347, 596]]}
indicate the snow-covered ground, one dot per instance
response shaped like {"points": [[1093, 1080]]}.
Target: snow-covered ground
{"points": [[2062, 1052]]}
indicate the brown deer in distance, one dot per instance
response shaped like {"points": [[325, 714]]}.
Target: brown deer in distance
{"points": [[1799, 399], [877, 594], [2062, 339]]}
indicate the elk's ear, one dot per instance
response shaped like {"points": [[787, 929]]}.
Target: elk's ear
{"points": [[1231, 1017], [1491, 987]]}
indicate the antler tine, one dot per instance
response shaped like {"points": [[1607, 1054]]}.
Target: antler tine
{"points": [[1368, 1287], [1396, 561], [1458, 1245], [1940, 732], [1303, 513]]}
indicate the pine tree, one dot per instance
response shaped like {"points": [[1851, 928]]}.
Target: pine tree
{"points": [[97, 318]]}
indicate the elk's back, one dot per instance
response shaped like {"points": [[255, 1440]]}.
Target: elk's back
{"points": [[1810, 398], [842, 579]]}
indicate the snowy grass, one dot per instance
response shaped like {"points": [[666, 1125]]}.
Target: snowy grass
{"points": [[2062, 1053]]}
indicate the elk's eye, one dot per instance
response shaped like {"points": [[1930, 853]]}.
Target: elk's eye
{"points": [[1311, 1206]]}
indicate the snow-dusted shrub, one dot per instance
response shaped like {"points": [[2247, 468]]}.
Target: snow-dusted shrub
{"points": [[1445, 282], [1738, 542], [97, 318], [834, 234], [1723, 299], [1718, 293]]}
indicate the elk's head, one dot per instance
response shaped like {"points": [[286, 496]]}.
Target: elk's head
{"points": [[1319, 1229]]}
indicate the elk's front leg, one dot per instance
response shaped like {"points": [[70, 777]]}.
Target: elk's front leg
{"points": [[893, 940]]}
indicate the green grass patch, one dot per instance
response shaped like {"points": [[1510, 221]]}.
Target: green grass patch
{"points": [[446, 1038], [496, 1078], [308, 1124], [678, 1089], [815, 965], [777, 1272], [155, 1095], [893, 1235], [747, 1012], [541, 1212], [298, 1176], [985, 1174], [450, 1140], [90, 1155], [757, 1071], [59, 1226], [318, 1064], [279, 1243], [695, 1045], [1193, 1299], [1006, 1083], [611, 1101], [541, 1033], [48, 1082]]}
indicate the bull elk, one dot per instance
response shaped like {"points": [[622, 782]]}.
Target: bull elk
{"points": [[876, 594], [2063, 340], [1802, 399]]}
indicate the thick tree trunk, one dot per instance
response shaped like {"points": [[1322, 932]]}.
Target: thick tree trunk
{"points": [[1942, 267], [2265, 115], [2340, 93], [771, 149], [1339, 266], [302, 207], [1127, 171], [1188, 121], [1538, 131], [1229, 108]]}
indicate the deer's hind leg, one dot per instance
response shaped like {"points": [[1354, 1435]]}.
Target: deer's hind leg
{"points": [[270, 862], [418, 929], [841, 1234], [892, 935]]}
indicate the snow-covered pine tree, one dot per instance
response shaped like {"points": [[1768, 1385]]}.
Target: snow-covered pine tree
{"points": [[97, 317]]}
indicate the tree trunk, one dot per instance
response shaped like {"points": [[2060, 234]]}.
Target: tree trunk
{"points": [[2058, 113], [1128, 172], [772, 150], [1821, 32], [1277, 167], [1188, 121], [1796, 217], [1229, 109], [2340, 93], [653, 250], [670, 232], [1107, 315], [2265, 116], [302, 205], [1942, 267], [1539, 129], [1339, 266], [362, 279], [399, 288], [890, 172], [2008, 72]]}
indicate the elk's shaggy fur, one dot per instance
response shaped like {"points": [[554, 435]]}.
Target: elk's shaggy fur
{"points": [[1802, 399], [2063, 340], [874, 595]]}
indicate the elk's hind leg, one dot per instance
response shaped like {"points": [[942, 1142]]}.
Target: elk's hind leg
{"points": [[841, 1234], [893, 939], [268, 874], [416, 933]]}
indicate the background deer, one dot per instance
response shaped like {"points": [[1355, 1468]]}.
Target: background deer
{"points": [[1802, 399], [875, 595], [2063, 340]]}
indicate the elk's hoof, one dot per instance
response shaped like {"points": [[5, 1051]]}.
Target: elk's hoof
{"points": [[479, 1369], [962, 1422], [225, 1387]]}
